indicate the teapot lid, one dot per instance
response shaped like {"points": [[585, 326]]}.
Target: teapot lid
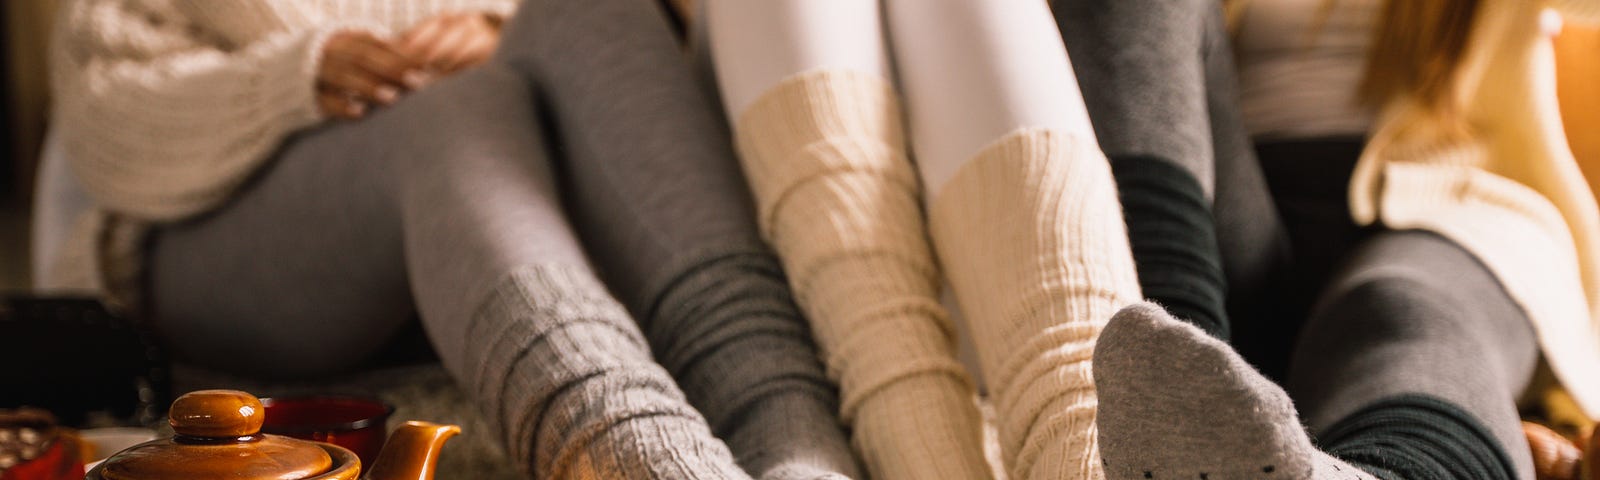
{"points": [[218, 436]]}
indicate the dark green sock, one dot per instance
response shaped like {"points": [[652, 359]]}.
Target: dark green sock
{"points": [[1173, 240]]}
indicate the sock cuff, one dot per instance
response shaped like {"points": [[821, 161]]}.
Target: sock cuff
{"points": [[822, 123], [1035, 216], [1033, 242], [1417, 436], [838, 199], [1173, 239]]}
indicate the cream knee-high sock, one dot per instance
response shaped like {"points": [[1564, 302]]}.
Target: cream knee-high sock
{"points": [[824, 153], [1031, 236]]}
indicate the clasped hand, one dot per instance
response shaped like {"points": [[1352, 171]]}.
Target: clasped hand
{"points": [[360, 71]]}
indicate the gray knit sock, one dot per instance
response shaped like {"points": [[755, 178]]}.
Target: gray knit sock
{"points": [[566, 376], [1176, 403]]}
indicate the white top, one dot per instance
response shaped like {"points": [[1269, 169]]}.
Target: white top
{"points": [[1300, 63]]}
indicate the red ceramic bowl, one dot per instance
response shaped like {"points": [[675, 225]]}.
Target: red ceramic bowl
{"points": [[356, 423]]}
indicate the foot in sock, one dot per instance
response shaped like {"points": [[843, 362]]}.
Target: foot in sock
{"points": [[1176, 403]]}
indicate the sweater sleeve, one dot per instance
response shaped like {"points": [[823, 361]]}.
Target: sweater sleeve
{"points": [[165, 118]]}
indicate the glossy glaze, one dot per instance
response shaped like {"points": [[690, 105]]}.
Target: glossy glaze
{"points": [[219, 437]]}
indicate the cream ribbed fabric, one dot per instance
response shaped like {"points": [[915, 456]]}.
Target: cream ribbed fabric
{"points": [[824, 152], [1031, 236], [135, 80]]}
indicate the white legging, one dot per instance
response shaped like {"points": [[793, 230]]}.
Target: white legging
{"points": [[1021, 212]]}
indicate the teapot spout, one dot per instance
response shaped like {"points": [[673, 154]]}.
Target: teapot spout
{"points": [[412, 452]]}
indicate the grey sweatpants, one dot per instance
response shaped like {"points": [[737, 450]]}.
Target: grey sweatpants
{"points": [[447, 205]]}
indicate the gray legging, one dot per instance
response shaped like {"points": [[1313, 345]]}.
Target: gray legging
{"points": [[1409, 344], [1157, 77], [451, 197]]}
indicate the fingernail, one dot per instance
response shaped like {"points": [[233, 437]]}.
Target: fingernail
{"points": [[357, 109], [386, 94], [416, 79]]}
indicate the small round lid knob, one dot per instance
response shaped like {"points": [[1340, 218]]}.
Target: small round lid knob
{"points": [[216, 414]]}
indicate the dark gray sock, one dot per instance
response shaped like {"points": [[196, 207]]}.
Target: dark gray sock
{"points": [[657, 195]]}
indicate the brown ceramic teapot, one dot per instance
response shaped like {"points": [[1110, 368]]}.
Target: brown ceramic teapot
{"points": [[219, 436]]}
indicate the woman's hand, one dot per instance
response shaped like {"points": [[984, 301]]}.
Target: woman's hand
{"points": [[359, 70], [451, 42]]}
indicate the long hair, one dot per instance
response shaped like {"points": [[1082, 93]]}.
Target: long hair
{"points": [[1417, 50]]}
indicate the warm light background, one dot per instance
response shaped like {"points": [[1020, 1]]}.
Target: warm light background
{"points": [[1578, 86]]}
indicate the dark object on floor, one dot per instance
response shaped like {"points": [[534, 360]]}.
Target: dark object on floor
{"points": [[73, 358]]}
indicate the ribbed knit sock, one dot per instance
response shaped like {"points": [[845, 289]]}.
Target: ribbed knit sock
{"points": [[565, 374], [1179, 404], [1418, 436], [838, 199], [655, 190], [731, 335], [1173, 240], [1031, 238]]}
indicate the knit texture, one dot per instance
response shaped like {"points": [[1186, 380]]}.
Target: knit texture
{"points": [[1030, 235], [1174, 241], [654, 188], [1417, 436], [1180, 404], [568, 380], [824, 153], [167, 107]]}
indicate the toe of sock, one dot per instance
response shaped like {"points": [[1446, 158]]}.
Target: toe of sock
{"points": [[1178, 403]]}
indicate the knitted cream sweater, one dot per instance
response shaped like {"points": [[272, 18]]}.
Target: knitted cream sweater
{"points": [[167, 106], [1511, 193]]}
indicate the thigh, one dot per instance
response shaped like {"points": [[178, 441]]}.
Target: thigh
{"points": [[757, 45], [1141, 69], [317, 261], [973, 71], [303, 266], [1413, 313]]}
